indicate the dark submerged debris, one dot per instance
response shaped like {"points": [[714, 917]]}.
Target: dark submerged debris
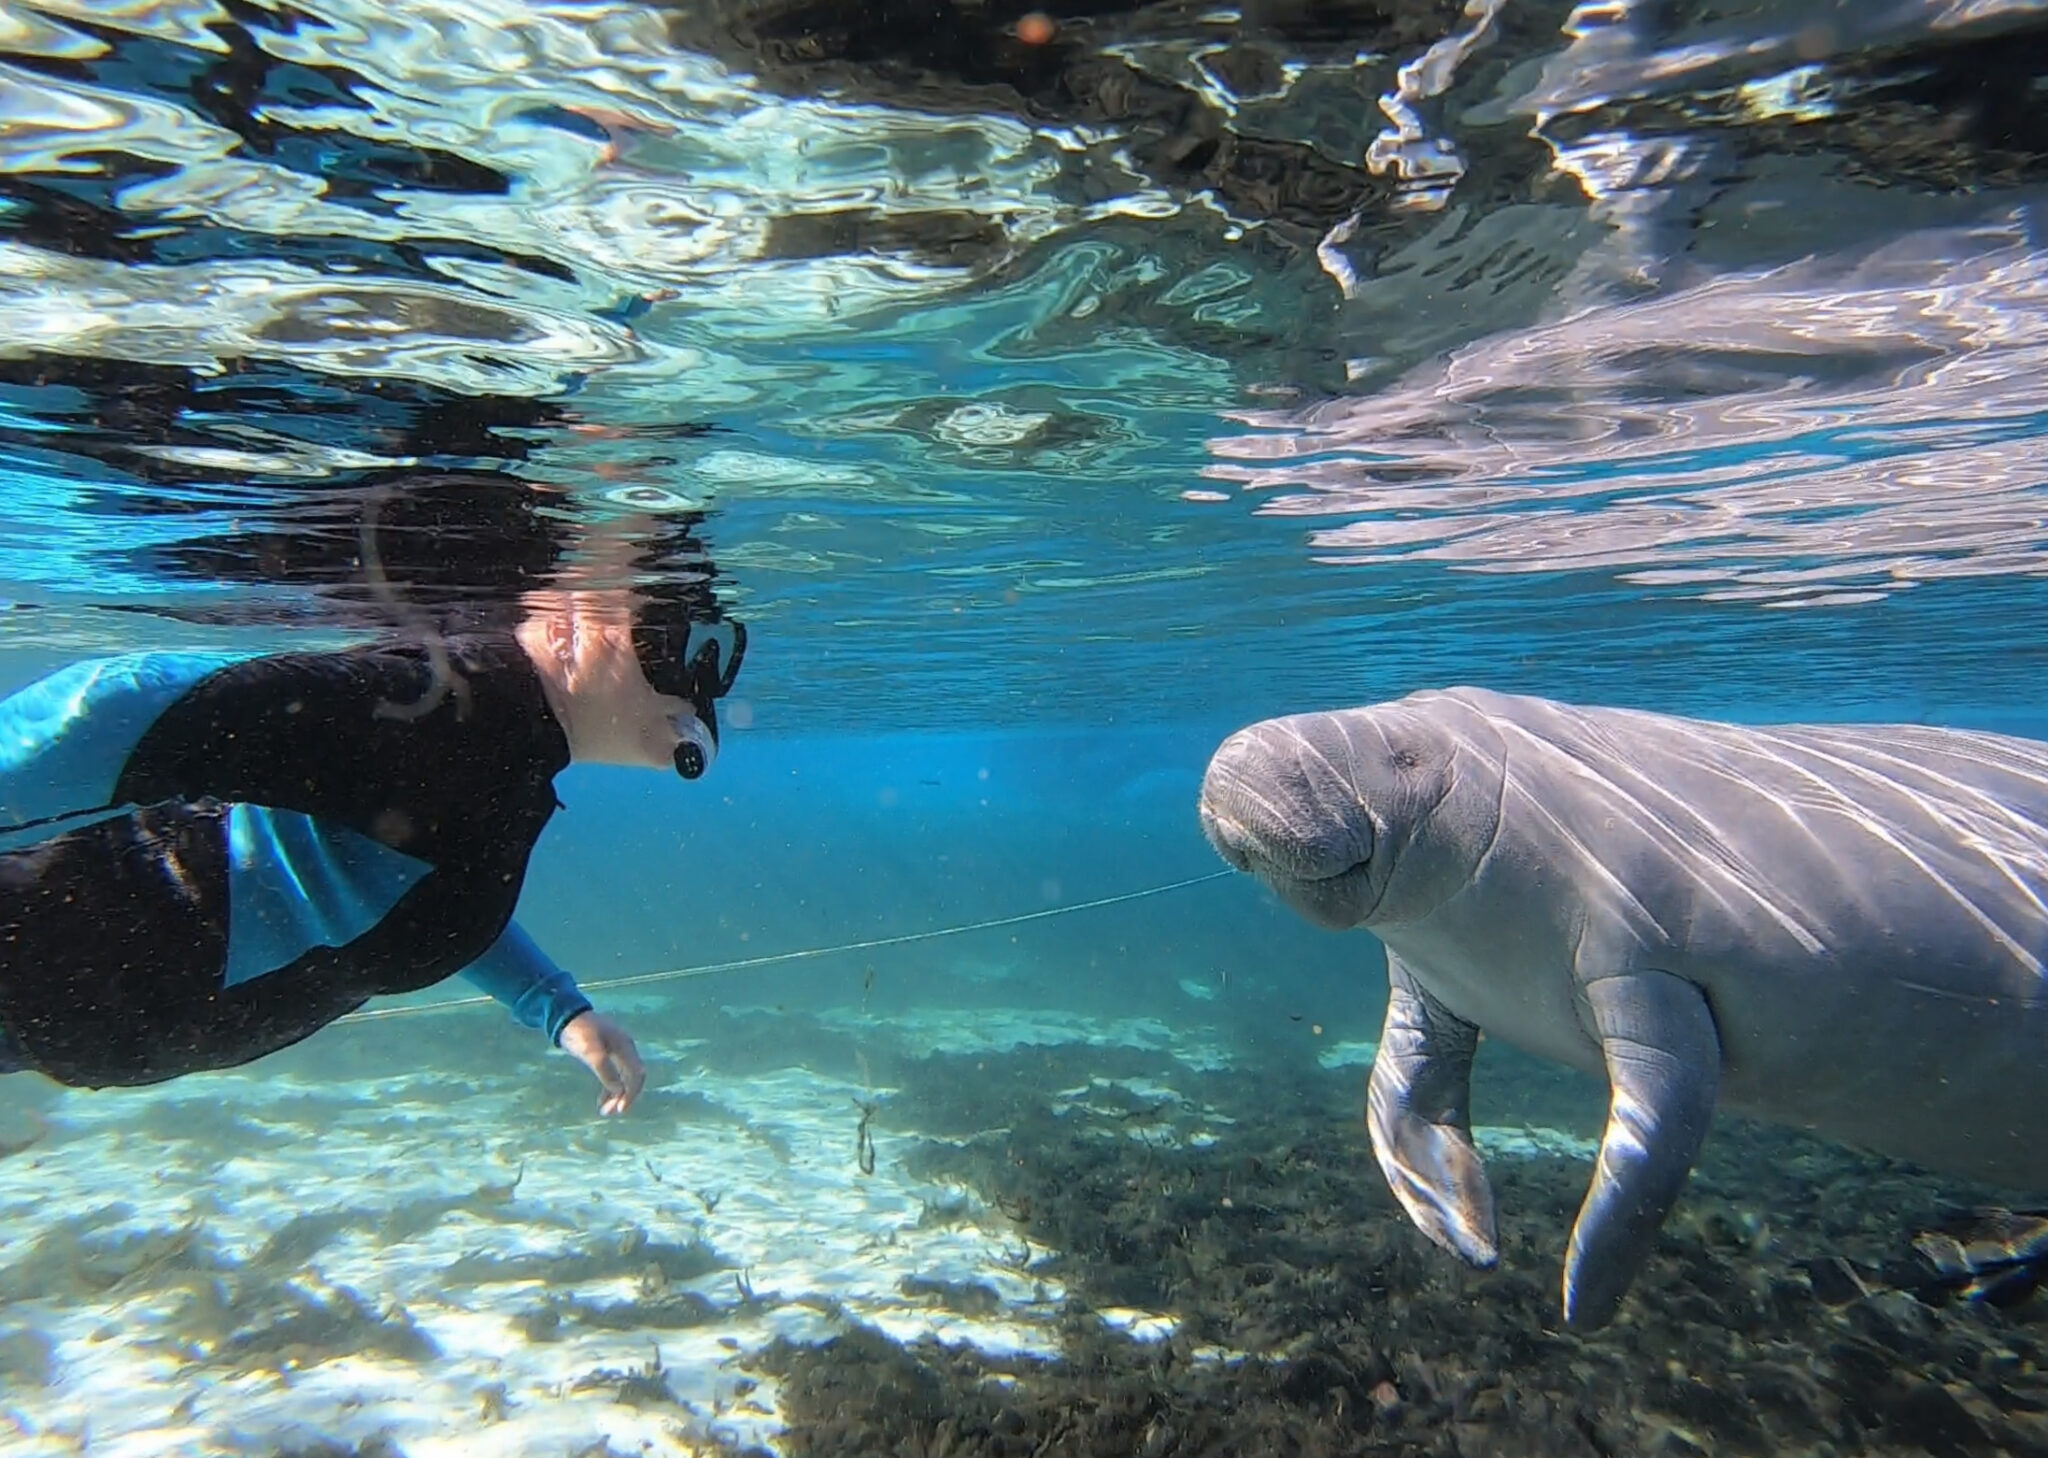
{"points": [[488, 1194], [645, 1386], [542, 1324], [863, 1140], [1994, 1255]]}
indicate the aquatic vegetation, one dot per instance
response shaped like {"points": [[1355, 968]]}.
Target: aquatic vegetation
{"points": [[27, 1131], [630, 1251], [948, 1210], [969, 1298], [863, 1141], [98, 1255], [379, 1446], [669, 1311], [1307, 1318], [494, 1402], [201, 1121], [289, 1327], [602, 1448], [306, 1234], [690, 1106], [27, 1357]]}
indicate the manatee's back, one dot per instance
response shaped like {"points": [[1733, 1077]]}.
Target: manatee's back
{"points": [[1867, 906], [1822, 831]]}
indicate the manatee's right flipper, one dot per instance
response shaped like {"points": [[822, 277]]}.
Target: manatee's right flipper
{"points": [[1417, 1108], [1663, 1058]]}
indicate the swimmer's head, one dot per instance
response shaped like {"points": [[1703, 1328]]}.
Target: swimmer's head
{"points": [[637, 657], [632, 682]]}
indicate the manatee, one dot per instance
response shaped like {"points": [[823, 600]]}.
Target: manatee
{"points": [[1839, 928]]}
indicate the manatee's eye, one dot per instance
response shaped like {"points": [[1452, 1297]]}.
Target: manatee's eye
{"points": [[1406, 759]]}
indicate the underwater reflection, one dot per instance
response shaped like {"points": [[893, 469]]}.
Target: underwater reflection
{"points": [[1823, 432]]}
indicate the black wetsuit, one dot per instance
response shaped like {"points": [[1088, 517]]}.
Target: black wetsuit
{"points": [[278, 839]]}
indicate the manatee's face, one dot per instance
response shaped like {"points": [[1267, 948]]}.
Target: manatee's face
{"points": [[1324, 807]]}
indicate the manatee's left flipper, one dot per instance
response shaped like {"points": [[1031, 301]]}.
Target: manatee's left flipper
{"points": [[1663, 1057], [1416, 1110]]}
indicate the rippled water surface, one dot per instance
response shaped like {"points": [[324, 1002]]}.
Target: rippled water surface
{"points": [[1133, 360]]}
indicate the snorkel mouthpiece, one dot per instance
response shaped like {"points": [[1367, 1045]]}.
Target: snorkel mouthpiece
{"points": [[699, 747], [695, 660]]}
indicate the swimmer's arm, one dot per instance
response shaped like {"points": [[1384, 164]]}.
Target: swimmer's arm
{"points": [[519, 974], [541, 995]]}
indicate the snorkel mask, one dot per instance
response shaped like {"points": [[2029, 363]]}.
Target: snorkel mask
{"points": [[697, 661]]}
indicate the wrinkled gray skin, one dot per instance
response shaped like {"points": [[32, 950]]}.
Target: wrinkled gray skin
{"points": [[1839, 928]]}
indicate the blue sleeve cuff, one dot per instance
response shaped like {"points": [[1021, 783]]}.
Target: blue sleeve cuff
{"points": [[519, 974]]}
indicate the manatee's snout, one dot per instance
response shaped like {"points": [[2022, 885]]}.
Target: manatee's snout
{"points": [[1278, 801]]}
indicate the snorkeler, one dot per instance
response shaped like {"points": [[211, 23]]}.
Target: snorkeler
{"points": [[230, 852]]}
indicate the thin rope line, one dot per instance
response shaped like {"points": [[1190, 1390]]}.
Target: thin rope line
{"points": [[678, 974]]}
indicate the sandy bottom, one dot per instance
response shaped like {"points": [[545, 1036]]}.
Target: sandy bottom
{"points": [[999, 1231], [462, 1261]]}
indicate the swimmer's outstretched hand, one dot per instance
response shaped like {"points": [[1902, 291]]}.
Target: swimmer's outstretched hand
{"points": [[607, 1050]]}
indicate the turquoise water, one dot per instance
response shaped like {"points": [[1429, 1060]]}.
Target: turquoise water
{"points": [[1051, 404]]}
